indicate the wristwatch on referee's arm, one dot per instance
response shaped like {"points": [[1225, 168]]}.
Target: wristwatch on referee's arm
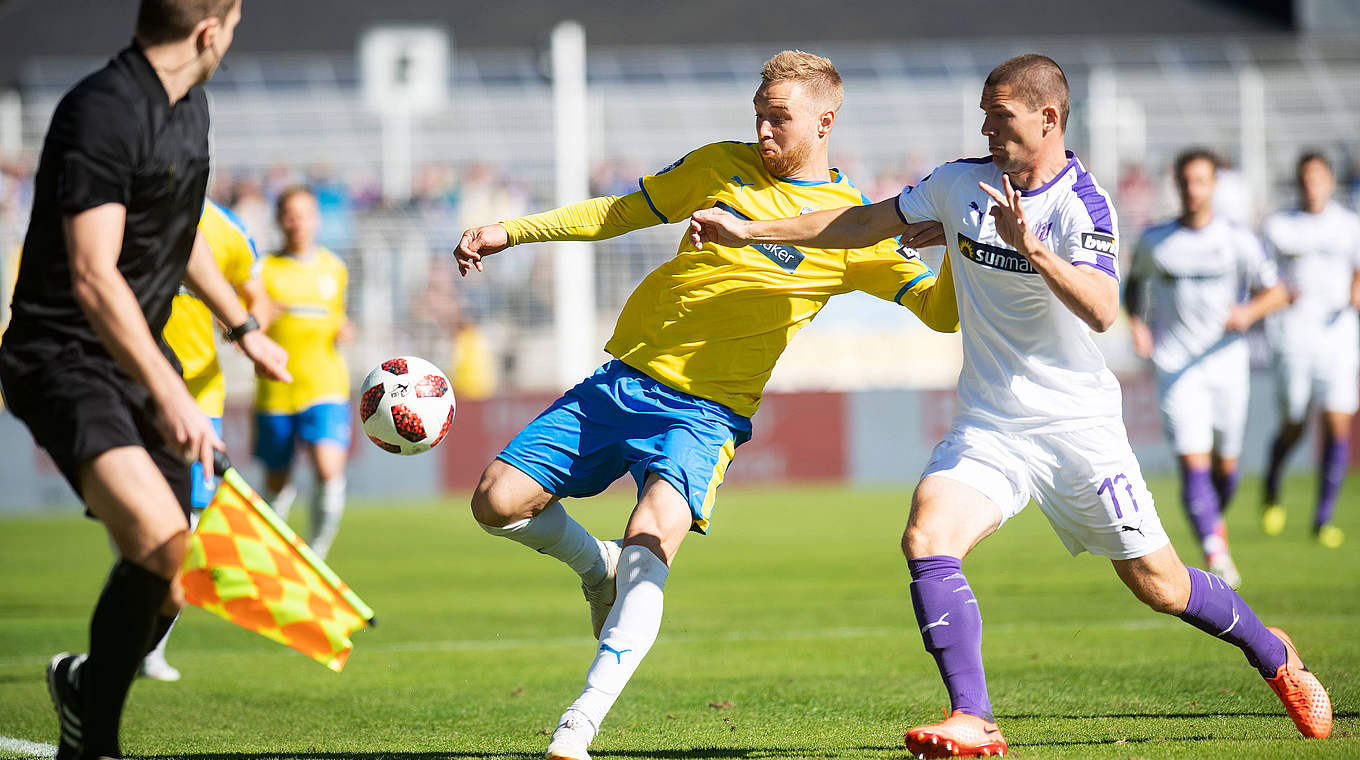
{"points": [[234, 334]]}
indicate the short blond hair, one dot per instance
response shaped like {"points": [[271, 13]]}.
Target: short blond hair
{"points": [[817, 75]]}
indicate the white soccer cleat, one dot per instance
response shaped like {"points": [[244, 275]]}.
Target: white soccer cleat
{"points": [[570, 740], [156, 668], [1224, 567], [601, 595]]}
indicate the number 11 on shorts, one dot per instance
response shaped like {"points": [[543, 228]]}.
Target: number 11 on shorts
{"points": [[1109, 485]]}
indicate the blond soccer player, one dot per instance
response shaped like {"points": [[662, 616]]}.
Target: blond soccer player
{"points": [[692, 349]]}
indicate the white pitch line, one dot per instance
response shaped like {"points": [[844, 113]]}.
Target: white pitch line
{"points": [[1152, 622], [24, 747]]}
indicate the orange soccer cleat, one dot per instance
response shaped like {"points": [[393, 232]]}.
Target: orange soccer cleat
{"points": [[959, 735], [1303, 696]]}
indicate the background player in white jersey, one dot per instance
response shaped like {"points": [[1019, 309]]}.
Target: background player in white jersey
{"points": [[1316, 340], [1185, 295], [1034, 266]]}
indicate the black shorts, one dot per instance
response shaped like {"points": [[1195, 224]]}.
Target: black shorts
{"points": [[78, 404]]}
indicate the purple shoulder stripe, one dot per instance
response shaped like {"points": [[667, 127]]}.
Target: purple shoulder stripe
{"points": [[1095, 203], [982, 160], [1103, 263]]}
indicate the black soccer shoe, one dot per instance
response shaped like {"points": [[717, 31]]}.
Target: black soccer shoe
{"points": [[66, 700]]}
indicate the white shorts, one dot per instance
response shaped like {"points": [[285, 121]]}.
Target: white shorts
{"points": [[1322, 370], [1087, 482], [1204, 406]]}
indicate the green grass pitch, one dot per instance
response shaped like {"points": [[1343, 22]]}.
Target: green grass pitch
{"points": [[787, 634]]}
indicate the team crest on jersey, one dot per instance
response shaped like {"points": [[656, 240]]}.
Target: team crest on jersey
{"points": [[994, 257], [910, 254]]}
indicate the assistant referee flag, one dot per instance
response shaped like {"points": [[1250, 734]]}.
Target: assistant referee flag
{"points": [[246, 565]]}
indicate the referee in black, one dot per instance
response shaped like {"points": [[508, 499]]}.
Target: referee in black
{"points": [[119, 191]]}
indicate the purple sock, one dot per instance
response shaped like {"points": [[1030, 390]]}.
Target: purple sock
{"points": [[1225, 484], [1335, 458], [1201, 501], [1219, 611], [1279, 452], [951, 627]]}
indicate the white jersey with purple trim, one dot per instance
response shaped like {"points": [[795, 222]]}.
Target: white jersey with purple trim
{"points": [[1029, 363], [1317, 255], [1191, 280]]}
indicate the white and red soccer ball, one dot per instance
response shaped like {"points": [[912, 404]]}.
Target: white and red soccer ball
{"points": [[406, 405]]}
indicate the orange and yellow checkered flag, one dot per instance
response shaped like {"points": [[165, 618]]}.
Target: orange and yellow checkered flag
{"points": [[246, 565]]}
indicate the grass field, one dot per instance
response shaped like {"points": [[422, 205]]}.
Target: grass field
{"points": [[787, 634]]}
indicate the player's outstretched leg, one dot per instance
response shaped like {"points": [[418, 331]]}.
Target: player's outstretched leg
{"points": [[510, 504], [1203, 600]]}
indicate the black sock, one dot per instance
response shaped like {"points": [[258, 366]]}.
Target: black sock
{"points": [[160, 631], [121, 631]]}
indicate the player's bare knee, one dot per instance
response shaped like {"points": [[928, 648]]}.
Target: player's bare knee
{"points": [[493, 502]]}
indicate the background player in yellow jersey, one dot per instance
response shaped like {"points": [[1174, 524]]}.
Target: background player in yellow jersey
{"points": [[190, 332], [306, 283], [693, 348]]}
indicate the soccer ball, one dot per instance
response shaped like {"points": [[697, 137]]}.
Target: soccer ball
{"points": [[406, 406]]}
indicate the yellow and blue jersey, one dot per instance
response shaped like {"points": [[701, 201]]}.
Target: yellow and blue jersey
{"points": [[190, 329], [713, 321], [309, 298]]}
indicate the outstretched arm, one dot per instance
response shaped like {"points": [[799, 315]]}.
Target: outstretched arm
{"points": [[1089, 293], [849, 227], [596, 219]]}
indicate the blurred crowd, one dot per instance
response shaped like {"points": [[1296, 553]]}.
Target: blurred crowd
{"points": [[473, 320]]}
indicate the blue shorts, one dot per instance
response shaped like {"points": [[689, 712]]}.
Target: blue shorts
{"points": [[276, 434], [619, 421], [201, 489]]}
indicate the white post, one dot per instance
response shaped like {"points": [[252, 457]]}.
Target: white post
{"points": [[1102, 106], [396, 154], [1252, 135], [573, 262]]}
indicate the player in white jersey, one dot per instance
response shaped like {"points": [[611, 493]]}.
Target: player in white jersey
{"points": [[1035, 268], [1185, 297], [1316, 340]]}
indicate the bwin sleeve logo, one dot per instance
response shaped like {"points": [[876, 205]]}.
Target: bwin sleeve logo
{"points": [[1099, 243]]}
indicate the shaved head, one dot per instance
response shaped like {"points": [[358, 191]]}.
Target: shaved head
{"points": [[1035, 80]]}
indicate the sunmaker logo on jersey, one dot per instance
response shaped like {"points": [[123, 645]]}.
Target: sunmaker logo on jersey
{"points": [[994, 257], [786, 256]]}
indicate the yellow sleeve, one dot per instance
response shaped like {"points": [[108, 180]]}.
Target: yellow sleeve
{"points": [[685, 186], [595, 219], [883, 272]]}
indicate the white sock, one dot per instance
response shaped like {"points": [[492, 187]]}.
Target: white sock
{"points": [[328, 506], [281, 501], [629, 632], [553, 532]]}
